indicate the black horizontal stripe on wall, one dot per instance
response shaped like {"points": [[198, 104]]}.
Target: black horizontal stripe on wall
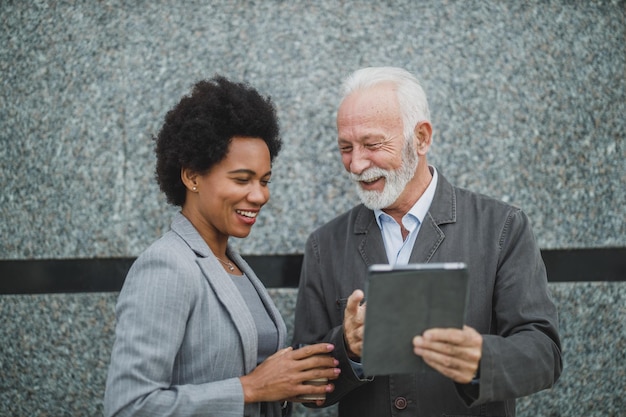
{"points": [[108, 274]]}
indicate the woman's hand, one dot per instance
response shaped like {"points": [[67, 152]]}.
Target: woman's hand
{"points": [[282, 375]]}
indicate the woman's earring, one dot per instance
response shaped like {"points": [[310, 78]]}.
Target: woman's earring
{"points": [[194, 188]]}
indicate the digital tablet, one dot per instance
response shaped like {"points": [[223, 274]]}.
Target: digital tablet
{"points": [[403, 301]]}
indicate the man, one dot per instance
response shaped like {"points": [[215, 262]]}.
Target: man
{"points": [[411, 214]]}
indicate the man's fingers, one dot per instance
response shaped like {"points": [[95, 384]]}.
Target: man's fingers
{"points": [[465, 337], [454, 336], [460, 368], [458, 374], [354, 301], [468, 352], [455, 353], [353, 323]]}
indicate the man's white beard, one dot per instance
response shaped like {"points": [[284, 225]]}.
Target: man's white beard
{"points": [[395, 181]]}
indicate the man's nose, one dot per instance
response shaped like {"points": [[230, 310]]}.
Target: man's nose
{"points": [[359, 161]]}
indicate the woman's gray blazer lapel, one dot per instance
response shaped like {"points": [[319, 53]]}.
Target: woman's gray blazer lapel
{"points": [[223, 287], [233, 302], [227, 292]]}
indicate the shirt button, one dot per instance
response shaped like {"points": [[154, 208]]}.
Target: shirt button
{"points": [[400, 403]]}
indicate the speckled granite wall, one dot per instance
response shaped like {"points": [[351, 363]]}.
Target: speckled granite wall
{"points": [[55, 353], [528, 104]]}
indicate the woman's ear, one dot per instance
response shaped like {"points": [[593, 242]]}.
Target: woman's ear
{"points": [[423, 135], [189, 178]]}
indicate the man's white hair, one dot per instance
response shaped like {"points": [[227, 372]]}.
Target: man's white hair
{"points": [[411, 97]]}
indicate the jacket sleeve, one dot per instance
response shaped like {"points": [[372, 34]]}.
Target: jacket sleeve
{"points": [[152, 313], [317, 315], [523, 353]]}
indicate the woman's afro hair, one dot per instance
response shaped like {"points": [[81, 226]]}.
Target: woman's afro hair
{"points": [[197, 132]]}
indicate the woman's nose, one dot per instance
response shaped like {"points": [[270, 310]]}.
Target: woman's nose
{"points": [[259, 194]]}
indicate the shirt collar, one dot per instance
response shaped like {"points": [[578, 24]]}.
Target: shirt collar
{"points": [[421, 206]]}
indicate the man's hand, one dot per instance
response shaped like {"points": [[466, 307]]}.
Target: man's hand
{"points": [[455, 353], [353, 322]]}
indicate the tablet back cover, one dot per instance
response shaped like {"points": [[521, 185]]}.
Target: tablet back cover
{"points": [[403, 302]]}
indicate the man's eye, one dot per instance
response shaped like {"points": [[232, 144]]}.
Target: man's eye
{"points": [[345, 149], [374, 145]]}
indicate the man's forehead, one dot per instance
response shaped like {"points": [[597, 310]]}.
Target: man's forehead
{"points": [[368, 113], [377, 100], [382, 91]]}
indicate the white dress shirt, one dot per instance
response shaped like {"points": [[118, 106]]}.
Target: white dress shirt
{"points": [[399, 249]]}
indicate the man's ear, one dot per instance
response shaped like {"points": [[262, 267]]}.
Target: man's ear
{"points": [[189, 178], [423, 135]]}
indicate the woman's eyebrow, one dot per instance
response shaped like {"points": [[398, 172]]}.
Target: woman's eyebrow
{"points": [[247, 171]]}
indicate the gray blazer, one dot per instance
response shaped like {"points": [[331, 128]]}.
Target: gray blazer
{"points": [[509, 303], [184, 333]]}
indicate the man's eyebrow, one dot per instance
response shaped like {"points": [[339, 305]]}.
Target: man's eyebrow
{"points": [[360, 139], [380, 138]]}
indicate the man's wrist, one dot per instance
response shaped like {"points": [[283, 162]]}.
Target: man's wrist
{"points": [[351, 355]]}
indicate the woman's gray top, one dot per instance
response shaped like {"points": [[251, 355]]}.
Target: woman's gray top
{"points": [[268, 334]]}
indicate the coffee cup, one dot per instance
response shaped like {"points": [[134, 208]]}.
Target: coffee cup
{"points": [[314, 397], [317, 382]]}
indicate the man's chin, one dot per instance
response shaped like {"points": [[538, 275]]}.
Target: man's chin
{"points": [[371, 199]]}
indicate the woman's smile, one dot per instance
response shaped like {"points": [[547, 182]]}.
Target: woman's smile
{"points": [[247, 216]]}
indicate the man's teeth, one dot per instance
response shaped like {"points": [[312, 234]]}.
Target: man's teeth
{"points": [[371, 180], [251, 214]]}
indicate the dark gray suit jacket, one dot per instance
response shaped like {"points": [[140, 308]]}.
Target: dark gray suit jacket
{"points": [[509, 304], [184, 334]]}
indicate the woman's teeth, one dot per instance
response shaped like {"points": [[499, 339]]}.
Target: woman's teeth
{"points": [[251, 214]]}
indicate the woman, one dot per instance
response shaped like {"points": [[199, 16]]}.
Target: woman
{"points": [[197, 334]]}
